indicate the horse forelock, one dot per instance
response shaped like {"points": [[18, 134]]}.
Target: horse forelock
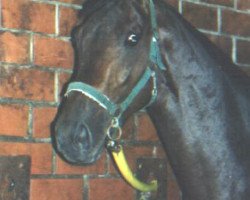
{"points": [[91, 6]]}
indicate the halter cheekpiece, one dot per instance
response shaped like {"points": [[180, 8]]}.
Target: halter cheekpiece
{"points": [[117, 110]]}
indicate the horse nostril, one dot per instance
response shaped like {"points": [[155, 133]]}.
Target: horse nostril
{"points": [[82, 138], [83, 133]]}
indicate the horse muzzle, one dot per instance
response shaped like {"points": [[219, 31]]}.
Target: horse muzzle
{"points": [[75, 144]]}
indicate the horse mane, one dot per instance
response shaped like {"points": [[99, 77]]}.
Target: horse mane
{"points": [[216, 54], [91, 6]]}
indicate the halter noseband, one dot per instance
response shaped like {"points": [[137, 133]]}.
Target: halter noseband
{"points": [[117, 110]]}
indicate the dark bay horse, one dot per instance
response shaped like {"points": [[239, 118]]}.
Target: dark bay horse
{"points": [[201, 101]]}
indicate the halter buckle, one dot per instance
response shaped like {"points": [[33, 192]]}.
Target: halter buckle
{"points": [[113, 146], [114, 131], [114, 134]]}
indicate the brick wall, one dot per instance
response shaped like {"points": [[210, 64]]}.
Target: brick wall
{"points": [[35, 61], [225, 22]]}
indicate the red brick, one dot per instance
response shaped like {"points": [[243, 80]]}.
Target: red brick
{"points": [[41, 154], [229, 3], [243, 52], [43, 118], [52, 189], [68, 18], [25, 14], [128, 129], [235, 23], [160, 151], [97, 168], [224, 43], [53, 52], [63, 79], [173, 191], [243, 5], [14, 47], [13, 120], [174, 3], [41, 158], [26, 84], [200, 16], [109, 189], [132, 154], [146, 130], [12, 11]]}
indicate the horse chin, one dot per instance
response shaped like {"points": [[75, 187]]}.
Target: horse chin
{"points": [[82, 157]]}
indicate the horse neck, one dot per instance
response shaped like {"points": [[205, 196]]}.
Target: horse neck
{"points": [[198, 74], [196, 114], [192, 74]]}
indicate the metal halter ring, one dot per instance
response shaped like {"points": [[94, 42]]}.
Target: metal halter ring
{"points": [[114, 130]]}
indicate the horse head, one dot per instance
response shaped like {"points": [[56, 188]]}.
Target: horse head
{"points": [[112, 78]]}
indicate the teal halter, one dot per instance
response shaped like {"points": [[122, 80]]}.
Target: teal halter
{"points": [[117, 110], [104, 101]]}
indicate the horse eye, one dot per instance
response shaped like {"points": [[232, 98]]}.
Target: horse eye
{"points": [[132, 39]]}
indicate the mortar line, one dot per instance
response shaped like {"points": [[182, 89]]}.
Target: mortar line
{"points": [[108, 164], [56, 87], [37, 67], [56, 176], [19, 139], [23, 31], [85, 187], [31, 48], [1, 13], [219, 21], [217, 6], [181, 195], [236, 4], [54, 162], [69, 5], [224, 34], [57, 20], [180, 8], [30, 121], [234, 50], [243, 65], [27, 102]]}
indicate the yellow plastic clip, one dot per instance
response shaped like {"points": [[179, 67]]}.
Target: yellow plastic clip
{"points": [[128, 175]]}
